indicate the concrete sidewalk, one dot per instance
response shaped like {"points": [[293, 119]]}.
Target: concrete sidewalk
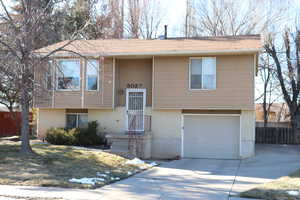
{"points": [[183, 179]]}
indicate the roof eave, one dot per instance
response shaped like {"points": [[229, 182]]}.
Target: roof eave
{"points": [[161, 53]]}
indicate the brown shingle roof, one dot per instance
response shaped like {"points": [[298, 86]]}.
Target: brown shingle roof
{"points": [[123, 47]]}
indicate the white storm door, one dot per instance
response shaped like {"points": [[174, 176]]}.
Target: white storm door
{"points": [[135, 109]]}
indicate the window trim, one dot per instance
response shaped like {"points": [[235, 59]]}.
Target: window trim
{"points": [[50, 73], [77, 115], [98, 75], [56, 73], [190, 71]]}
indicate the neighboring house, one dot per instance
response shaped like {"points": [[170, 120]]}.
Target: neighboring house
{"points": [[278, 115], [195, 97]]}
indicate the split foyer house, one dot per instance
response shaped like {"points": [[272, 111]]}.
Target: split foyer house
{"points": [[194, 97]]}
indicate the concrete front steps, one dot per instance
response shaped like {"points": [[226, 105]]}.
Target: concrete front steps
{"points": [[137, 144]]}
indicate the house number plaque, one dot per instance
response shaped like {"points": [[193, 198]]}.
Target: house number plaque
{"points": [[134, 85], [130, 85]]}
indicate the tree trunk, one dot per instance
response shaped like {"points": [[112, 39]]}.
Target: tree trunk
{"points": [[25, 143], [265, 112], [295, 122]]}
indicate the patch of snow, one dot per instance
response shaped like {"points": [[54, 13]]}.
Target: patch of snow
{"points": [[89, 181], [114, 178], [129, 173], [107, 172], [135, 161], [143, 167], [293, 193], [101, 175], [153, 164]]}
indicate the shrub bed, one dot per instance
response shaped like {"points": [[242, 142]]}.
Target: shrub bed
{"points": [[78, 136]]}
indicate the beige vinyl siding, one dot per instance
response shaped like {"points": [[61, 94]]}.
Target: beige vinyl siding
{"points": [[133, 71], [234, 87], [42, 96], [101, 98], [67, 99], [43, 99]]}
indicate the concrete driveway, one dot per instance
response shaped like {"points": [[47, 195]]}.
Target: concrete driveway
{"points": [[207, 179]]}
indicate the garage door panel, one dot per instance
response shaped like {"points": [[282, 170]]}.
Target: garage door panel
{"points": [[211, 136]]}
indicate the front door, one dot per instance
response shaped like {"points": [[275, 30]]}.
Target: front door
{"points": [[135, 109]]}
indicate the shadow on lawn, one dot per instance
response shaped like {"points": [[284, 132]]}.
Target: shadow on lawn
{"points": [[55, 165]]}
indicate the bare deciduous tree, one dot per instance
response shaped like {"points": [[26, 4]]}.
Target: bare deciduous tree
{"points": [[144, 18], [190, 23], [20, 39], [269, 83], [151, 18], [109, 20], [134, 17], [8, 91], [287, 61], [230, 17]]}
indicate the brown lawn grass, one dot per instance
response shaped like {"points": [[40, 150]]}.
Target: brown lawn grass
{"points": [[53, 165], [277, 189]]}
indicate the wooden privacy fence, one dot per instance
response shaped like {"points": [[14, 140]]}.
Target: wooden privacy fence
{"points": [[9, 125], [274, 135]]}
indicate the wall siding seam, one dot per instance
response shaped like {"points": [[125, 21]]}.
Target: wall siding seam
{"points": [[102, 75], [83, 79], [153, 80], [53, 86], [113, 75]]}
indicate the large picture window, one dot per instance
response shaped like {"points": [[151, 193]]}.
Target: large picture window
{"points": [[203, 73], [76, 120], [92, 75], [68, 75]]}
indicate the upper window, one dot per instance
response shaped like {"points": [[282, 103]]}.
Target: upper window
{"points": [[92, 75], [203, 73], [68, 75]]}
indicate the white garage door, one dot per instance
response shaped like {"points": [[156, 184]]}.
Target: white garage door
{"points": [[208, 136]]}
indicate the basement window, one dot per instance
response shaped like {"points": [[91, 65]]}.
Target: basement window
{"points": [[76, 120], [202, 72]]}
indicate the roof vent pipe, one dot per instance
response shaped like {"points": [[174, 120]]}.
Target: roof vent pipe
{"points": [[166, 31]]}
